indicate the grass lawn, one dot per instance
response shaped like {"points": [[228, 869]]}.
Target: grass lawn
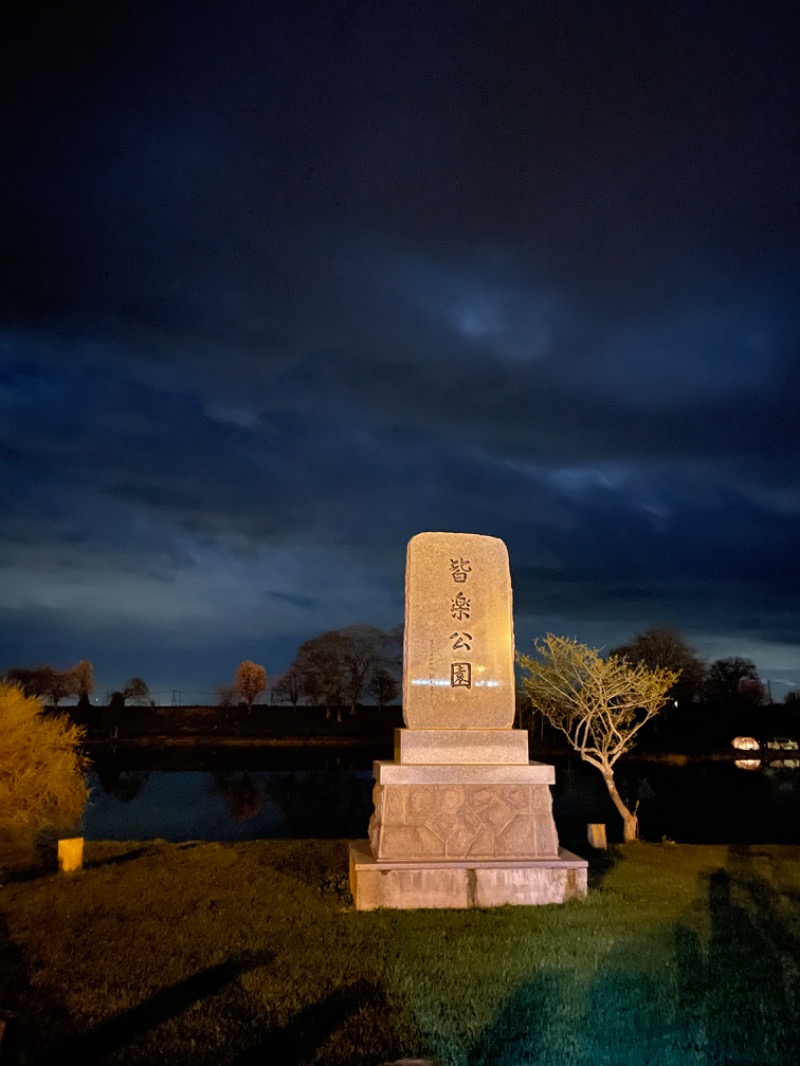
{"points": [[253, 953]]}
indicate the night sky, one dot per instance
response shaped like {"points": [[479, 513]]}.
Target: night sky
{"points": [[287, 283]]}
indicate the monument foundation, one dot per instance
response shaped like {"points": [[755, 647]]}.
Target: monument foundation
{"points": [[462, 818]]}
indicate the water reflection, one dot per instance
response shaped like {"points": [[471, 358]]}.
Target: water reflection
{"points": [[124, 784], [243, 796], [690, 802]]}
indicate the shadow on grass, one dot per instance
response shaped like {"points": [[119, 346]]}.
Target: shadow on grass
{"points": [[116, 1033], [311, 1028], [118, 860], [601, 860], [751, 1006], [18, 998], [672, 995], [731, 998]]}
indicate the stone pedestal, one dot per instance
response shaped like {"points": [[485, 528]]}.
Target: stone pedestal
{"points": [[459, 834], [462, 818], [448, 812]]}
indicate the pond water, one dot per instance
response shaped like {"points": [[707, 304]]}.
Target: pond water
{"points": [[331, 796]]}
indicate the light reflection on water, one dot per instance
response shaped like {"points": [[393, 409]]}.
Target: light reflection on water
{"points": [[179, 805], [699, 802]]}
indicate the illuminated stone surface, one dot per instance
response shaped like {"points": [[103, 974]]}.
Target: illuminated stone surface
{"points": [[458, 656], [463, 821], [409, 885], [532, 773], [416, 747], [462, 818]]}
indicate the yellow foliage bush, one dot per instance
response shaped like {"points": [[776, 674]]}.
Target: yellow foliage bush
{"points": [[42, 768]]}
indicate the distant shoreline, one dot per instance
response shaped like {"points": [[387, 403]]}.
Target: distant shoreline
{"points": [[385, 745]]}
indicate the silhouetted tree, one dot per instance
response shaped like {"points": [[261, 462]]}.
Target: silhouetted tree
{"points": [[751, 692], [384, 686], [136, 689], [660, 648], [225, 695], [43, 682], [340, 665], [288, 688], [724, 678], [320, 663], [362, 650]]}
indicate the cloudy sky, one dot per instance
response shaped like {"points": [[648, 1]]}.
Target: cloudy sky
{"points": [[286, 283]]}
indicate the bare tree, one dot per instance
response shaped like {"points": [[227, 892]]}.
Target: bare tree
{"points": [[43, 682], [288, 688], [57, 684], [384, 686], [751, 692], [225, 695], [341, 665], [320, 662], [250, 682], [598, 704], [662, 648], [724, 682], [82, 675], [135, 688], [362, 647]]}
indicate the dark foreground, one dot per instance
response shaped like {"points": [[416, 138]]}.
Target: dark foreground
{"points": [[252, 952]]}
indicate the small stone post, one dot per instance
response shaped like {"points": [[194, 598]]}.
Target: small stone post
{"points": [[70, 854], [597, 834]]}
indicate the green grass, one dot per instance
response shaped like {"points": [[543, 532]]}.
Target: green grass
{"points": [[252, 952]]}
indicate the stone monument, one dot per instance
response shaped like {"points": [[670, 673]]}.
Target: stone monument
{"points": [[462, 818]]}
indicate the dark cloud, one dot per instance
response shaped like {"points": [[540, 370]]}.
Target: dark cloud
{"points": [[284, 285]]}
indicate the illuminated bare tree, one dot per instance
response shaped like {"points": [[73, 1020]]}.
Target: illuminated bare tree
{"points": [[83, 680], [598, 704], [250, 682]]}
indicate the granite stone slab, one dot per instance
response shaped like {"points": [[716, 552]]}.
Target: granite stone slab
{"points": [[458, 655], [415, 747], [455, 822], [410, 885], [532, 773]]}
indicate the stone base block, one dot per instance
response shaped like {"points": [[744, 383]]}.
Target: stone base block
{"points": [[459, 885], [486, 747], [446, 813]]}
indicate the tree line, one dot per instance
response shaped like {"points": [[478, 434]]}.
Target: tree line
{"points": [[342, 668]]}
